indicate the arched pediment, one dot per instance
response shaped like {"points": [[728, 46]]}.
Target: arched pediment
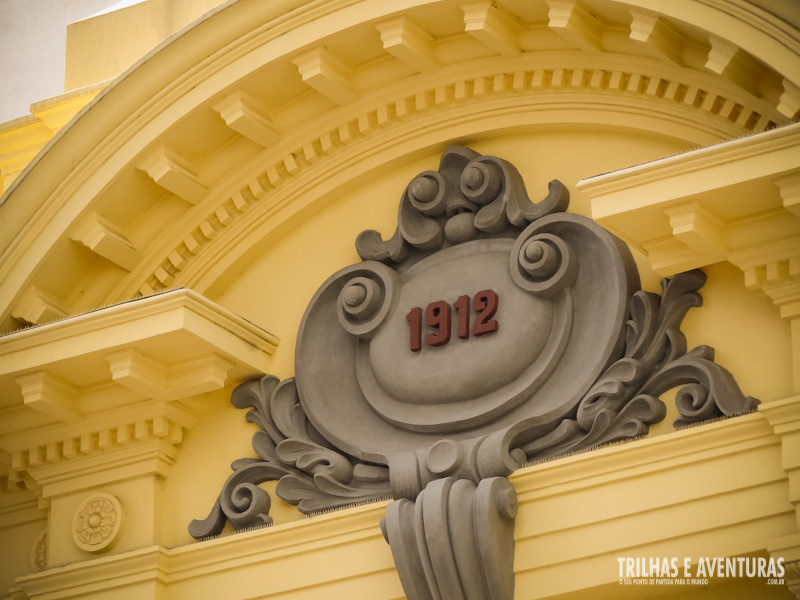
{"points": [[224, 137]]}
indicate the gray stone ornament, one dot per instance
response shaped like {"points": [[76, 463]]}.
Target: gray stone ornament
{"points": [[487, 332]]}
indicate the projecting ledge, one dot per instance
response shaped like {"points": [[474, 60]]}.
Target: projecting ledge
{"points": [[733, 201], [695, 488], [168, 346], [351, 557]]}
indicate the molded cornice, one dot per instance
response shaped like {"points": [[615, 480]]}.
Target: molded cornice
{"points": [[733, 201], [732, 510], [117, 382], [329, 103]]}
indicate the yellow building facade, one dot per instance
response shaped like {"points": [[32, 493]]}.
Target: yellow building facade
{"points": [[166, 221]]}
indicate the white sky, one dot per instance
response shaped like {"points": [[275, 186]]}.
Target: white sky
{"points": [[33, 40]]}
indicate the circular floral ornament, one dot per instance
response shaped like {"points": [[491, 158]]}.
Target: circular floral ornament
{"points": [[97, 522], [38, 556]]}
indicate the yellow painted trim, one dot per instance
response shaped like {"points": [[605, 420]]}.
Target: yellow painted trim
{"points": [[140, 118], [129, 322], [752, 28], [86, 384], [18, 509], [21, 139], [731, 509], [683, 198], [57, 111], [751, 157]]}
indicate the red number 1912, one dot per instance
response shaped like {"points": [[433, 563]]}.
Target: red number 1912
{"points": [[439, 318]]}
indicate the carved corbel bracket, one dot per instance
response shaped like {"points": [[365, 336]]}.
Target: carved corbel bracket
{"points": [[456, 540]]}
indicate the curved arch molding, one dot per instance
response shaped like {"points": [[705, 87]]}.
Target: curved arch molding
{"points": [[220, 138]]}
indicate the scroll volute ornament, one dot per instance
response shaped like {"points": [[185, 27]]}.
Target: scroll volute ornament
{"points": [[487, 332]]}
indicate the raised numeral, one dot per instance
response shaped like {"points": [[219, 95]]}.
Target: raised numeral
{"points": [[439, 318], [485, 302], [438, 315], [462, 311], [414, 318]]}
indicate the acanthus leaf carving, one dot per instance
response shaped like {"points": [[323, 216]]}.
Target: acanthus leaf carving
{"points": [[310, 473], [708, 391], [624, 401]]}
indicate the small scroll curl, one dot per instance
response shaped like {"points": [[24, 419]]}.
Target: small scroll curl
{"points": [[366, 297], [542, 263], [428, 193], [482, 180]]}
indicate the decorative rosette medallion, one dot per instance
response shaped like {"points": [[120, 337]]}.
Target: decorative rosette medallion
{"points": [[486, 332], [97, 522]]}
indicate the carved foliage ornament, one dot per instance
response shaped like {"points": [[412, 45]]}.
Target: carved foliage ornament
{"points": [[487, 332], [38, 554]]}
